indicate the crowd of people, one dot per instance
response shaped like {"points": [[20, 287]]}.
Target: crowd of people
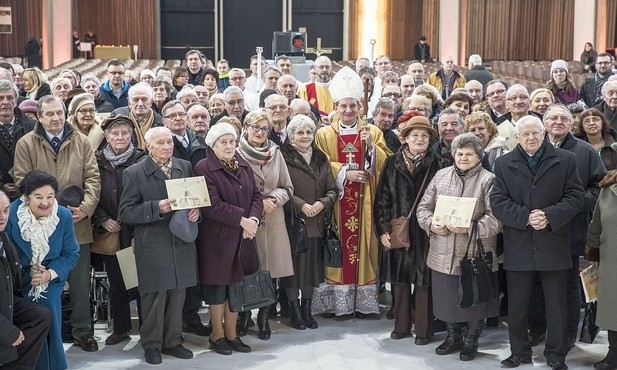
{"points": [[77, 188]]}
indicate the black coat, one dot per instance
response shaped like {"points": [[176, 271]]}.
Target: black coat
{"points": [[225, 114], [22, 126], [111, 190], [590, 95], [555, 189], [480, 74], [10, 291], [590, 171], [609, 114], [197, 151], [394, 197]]}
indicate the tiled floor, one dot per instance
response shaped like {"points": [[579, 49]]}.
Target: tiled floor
{"points": [[337, 344]]}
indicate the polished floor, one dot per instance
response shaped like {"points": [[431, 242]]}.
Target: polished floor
{"points": [[338, 343]]}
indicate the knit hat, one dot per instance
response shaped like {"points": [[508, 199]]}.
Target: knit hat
{"points": [[146, 72], [79, 101], [28, 106], [560, 63], [219, 130]]}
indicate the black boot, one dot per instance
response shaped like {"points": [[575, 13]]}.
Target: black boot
{"points": [[470, 345], [243, 323], [307, 315], [296, 320], [262, 323], [454, 340], [284, 302]]}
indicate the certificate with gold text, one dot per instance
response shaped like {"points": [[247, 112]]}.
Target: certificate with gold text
{"points": [[455, 211], [188, 192]]}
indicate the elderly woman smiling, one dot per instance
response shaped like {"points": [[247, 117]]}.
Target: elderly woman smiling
{"points": [[83, 118]]}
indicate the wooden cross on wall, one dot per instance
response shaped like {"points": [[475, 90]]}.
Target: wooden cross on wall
{"points": [[318, 50]]}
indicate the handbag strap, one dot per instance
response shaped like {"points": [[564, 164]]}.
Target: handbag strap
{"points": [[472, 235], [418, 194], [292, 205]]}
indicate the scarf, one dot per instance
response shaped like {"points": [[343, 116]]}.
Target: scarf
{"points": [[258, 156], [411, 160], [305, 154], [95, 133], [37, 233], [141, 128], [118, 159], [231, 165]]}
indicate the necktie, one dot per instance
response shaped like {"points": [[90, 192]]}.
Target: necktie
{"points": [[56, 143], [281, 137], [2, 251], [6, 136], [185, 144]]}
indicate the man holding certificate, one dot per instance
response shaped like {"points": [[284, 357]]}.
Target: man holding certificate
{"points": [[166, 264]]}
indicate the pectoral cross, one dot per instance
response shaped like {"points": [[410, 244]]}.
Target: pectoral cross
{"points": [[351, 165], [318, 50]]}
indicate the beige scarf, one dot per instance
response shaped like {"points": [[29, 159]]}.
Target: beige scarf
{"points": [[141, 128]]}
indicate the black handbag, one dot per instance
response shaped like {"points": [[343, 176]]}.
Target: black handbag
{"points": [[589, 330], [296, 227], [477, 282], [332, 252], [255, 290]]}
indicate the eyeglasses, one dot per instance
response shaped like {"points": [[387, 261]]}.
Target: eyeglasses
{"points": [[418, 136], [276, 107], [239, 78], [598, 62], [257, 128], [175, 115], [418, 109], [589, 120], [558, 118], [87, 111], [392, 95], [496, 92], [236, 102], [521, 97], [526, 135]]}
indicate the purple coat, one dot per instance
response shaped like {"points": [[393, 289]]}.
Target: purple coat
{"points": [[232, 196]]}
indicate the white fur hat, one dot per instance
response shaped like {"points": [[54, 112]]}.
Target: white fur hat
{"points": [[219, 130]]}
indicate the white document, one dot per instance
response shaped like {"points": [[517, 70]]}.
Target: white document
{"points": [[455, 211], [188, 192], [126, 260], [589, 278]]}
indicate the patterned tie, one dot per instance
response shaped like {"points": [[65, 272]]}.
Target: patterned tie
{"points": [[55, 142], [6, 136]]}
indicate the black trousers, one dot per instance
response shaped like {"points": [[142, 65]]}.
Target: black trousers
{"points": [[192, 303], [537, 317], [554, 286], [33, 320]]}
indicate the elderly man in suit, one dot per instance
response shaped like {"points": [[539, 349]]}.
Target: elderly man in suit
{"points": [[23, 324], [536, 194], [166, 264]]}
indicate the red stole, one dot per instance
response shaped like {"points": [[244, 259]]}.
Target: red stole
{"points": [[349, 216], [311, 97]]}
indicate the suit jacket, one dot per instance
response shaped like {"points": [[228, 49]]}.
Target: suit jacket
{"points": [[555, 189], [164, 261], [22, 126], [197, 150], [10, 292]]}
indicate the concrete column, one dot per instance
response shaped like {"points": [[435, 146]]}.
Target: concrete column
{"points": [[450, 30], [57, 32], [584, 26]]}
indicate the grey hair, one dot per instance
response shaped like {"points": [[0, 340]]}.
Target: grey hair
{"points": [[468, 140], [385, 103], [606, 85], [297, 123], [270, 97], [509, 91], [391, 73], [237, 70], [527, 119], [184, 92], [59, 80], [141, 87], [9, 85], [552, 107], [155, 131], [299, 101], [232, 90], [92, 78], [3, 195], [459, 118], [271, 68], [475, 60]]}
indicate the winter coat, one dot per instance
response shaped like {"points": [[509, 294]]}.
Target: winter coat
{"points": [[107, 94], [10, 292], [480, 74], [396, 193], [22, 126], [555, 189], [448, 250]]}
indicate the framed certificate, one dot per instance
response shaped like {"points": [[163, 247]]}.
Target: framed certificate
{"points": [[455, 211], [188, 192]]}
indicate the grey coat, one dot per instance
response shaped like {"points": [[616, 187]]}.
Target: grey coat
{"points": [[555, 189], [163, 261], [603, 235]]}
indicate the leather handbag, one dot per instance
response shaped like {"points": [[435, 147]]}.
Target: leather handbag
{"points": [[399, 227], [254, 291], [589, 329], [296, 227], [105, 243], [332, 252], [477, 282]]}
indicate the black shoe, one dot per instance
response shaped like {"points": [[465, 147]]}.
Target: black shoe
{"points": [[421, 341], [200, 330], [469, 350], [178, 351], [535, 339], [454, 340], [492, 322], [116, 338], [397, 335], [153, 356], [307, 315], [221, 346], [243, 323], [515, 360], [390, 314], [263, 325], [557, 365], [605, 364], [237, 345], [87, 343], [296, 320]]}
